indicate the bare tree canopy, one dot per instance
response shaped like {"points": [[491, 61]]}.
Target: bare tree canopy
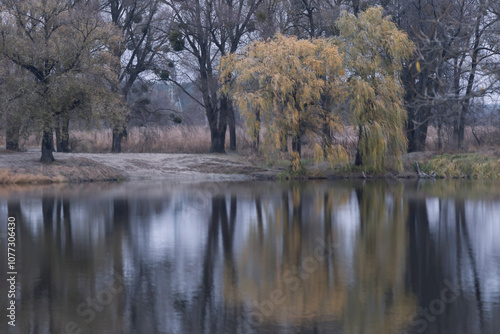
{"points": [[66, 49], [203, 32]]}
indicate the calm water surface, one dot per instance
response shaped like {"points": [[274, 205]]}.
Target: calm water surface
{"points": [[316, 257]]}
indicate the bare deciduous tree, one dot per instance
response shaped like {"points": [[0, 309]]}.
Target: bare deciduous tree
{"points": [[203, 32], [142, 24], [64, 47], [455, 52]]}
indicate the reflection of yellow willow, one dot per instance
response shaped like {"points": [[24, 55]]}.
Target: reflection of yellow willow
{"points": [[377, 299], [328, 290], [270, 265]]}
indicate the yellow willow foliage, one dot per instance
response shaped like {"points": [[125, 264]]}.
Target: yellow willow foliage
{"points": [[374, 51], [335, 155], [295, 162], [284, 80], [318, 153]]}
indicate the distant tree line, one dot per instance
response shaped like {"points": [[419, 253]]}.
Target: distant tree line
{"points": [[64, 61]]}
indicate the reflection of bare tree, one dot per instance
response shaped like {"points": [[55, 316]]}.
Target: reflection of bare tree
{"points": [[23, 250], [117, 232], [444, 253], [206, 300], [200, 315], [422, 267], [52, 264], [45, 284], [68, 235], [260, 226], [464, 231]]}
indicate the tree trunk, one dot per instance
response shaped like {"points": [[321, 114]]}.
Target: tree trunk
{"points": [[355, 7], [460, 127], [284, 141], [297, 144], [418, 117], [218, 140], [326, 141], [63, 142], [409, 85], [459, 130], [457, 71], [456, 129], [12, 135], [256, 134], [47, 146], [411, 131], [297, 136], [57, 129], [217, 120], [118, 134], [418, 124], [359, 158], [422, 135], [440, 133], [232, 127]]}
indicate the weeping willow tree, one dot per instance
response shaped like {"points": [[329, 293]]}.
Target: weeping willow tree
{"points": [[281, 84], [374, 51]]}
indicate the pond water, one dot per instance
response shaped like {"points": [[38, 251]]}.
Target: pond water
{"points": [[317, 257]]}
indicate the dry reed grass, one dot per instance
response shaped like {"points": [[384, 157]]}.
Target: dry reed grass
{"points": [[196, 139], [8, 177], [63, 170], [478, 137], [174, 139]]}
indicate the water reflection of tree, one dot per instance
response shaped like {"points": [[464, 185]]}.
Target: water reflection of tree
{"points": [[39, 257], [203, 312], [378, 301], [55, 274], [463, 231], [367, 285], [446, 252], [327, 295]]}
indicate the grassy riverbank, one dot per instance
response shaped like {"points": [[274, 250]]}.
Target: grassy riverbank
{"points": [[21, 168], [482, 165], [475, 165]]}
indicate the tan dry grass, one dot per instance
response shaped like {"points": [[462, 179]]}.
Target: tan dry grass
{"points": [[478, 137], [196, 139], [8, 177], [63, 170], [174, 139]]}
